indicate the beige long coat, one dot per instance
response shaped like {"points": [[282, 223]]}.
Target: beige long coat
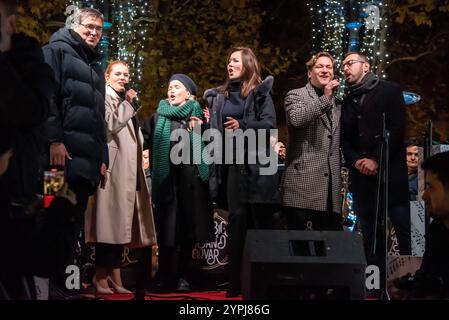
{"points": [[118, 213]]}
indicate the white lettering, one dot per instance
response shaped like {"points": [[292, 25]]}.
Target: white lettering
{"points": [[73, 280]]}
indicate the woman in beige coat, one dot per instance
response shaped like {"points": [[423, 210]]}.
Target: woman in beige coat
{"points": [[121, 214]]}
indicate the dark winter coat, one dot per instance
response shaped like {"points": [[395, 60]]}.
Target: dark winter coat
{"points": [[259, 114], [77, 113], [361, 131], [185, 212]]}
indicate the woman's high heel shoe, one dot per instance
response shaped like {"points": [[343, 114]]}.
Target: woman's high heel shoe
{"points": [[118, 288], [101, 290]]}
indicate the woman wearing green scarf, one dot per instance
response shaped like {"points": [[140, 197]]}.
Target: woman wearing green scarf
{"points": [[183, 209]]}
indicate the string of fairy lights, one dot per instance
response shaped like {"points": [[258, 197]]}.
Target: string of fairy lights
{"points": [[130, 33], [373, 42], [125, 34], [328, 32], [339, 26]]}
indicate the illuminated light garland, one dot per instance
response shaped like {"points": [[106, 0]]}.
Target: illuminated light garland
{"points": [[330, 32], [129, 35], [373, 43]]}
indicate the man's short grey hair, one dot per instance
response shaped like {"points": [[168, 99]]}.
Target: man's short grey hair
{"points": [[83, 14]]}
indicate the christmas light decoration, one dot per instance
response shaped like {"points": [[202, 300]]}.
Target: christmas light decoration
{"points": [[129, 35], [340, 26], [328, 32], [374, 34]]}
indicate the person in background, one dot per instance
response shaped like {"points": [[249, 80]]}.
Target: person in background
{"points": [[182, 205], [122, 213], [243, 103], [412, 153], [147, 167], [279, 148], [431, 281]]}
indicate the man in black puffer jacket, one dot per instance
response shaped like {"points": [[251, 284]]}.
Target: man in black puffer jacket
{"points": [[76, 124]]}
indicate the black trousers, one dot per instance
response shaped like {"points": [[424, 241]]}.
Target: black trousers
{"points": [[305, 219], [108, 256], [400, 218], [174, 262], [82, 189], [242, 216]]}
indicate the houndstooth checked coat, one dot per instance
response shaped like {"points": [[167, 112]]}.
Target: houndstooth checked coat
{"points": [[312, 151]]}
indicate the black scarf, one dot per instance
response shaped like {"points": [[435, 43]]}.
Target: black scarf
{"points": [[368, 82]]}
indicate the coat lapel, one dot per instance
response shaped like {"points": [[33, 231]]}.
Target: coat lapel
{"points": [[323, 117], [336, 115], [129, 124]]}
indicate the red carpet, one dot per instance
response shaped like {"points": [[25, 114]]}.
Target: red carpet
{"points": [[204, 295], [199, 295]]}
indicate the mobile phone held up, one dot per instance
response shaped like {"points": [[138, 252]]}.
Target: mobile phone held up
{"points": [[53, 182]]}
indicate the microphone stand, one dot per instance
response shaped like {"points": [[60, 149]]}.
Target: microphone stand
{"points": [[427, 154], [382, 204]]}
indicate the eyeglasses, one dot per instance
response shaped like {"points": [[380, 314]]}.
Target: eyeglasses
{"points": [[92, 27], [349, 63]]}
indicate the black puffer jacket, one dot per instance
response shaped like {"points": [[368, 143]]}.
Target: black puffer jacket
{"points": [[77, 113], [259, 114]]}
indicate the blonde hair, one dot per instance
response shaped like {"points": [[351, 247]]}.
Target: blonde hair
{"points": [[312, 61]]}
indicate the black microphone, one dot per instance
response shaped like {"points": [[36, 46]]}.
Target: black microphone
{"points": [[135, 103]]}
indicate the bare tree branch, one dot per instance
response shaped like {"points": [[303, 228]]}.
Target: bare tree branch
{"points": [[409, 58], [430, 49]]}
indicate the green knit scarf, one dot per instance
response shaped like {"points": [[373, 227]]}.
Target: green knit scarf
{"points": [[161, 141]]}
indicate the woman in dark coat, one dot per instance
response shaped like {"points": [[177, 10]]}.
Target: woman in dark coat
{"points": [[183, 210], [243, 102]]}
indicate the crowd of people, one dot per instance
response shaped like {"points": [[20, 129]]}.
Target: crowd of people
{"points": [[140, 183]]}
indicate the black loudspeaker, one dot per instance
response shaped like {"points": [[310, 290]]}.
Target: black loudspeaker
{"points": [[303, 265]]}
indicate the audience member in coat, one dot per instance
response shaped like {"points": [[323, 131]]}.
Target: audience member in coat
{"points": [[431, 281], [26, 83], [122, 213], [312, 179], [182, 205], [242, 103]]}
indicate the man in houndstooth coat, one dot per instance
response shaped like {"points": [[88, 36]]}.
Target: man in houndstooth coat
{"points": [[312, 182]]}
